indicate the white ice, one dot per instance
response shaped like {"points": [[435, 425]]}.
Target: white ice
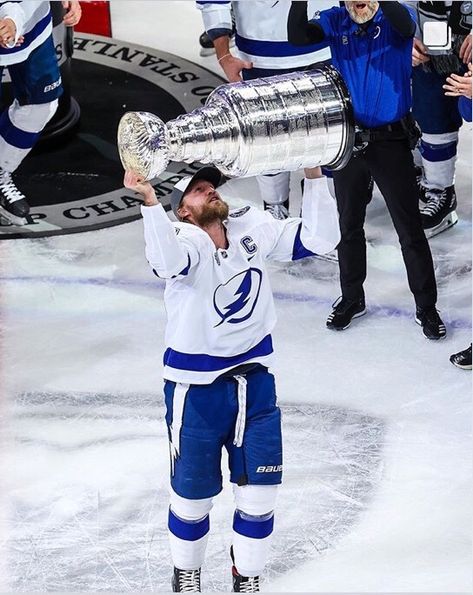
{"points": [[377, 422]]}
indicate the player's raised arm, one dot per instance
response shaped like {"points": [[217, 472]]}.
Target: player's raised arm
{"points": [[167, 256], [317, 232]]}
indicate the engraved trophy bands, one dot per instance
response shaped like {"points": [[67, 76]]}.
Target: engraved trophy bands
{"points": [[263, 126]]}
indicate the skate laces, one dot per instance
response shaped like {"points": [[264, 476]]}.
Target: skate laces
{"points": [[278, 211], [436, 199], [8, 188], [250, 584], [189, 581]]}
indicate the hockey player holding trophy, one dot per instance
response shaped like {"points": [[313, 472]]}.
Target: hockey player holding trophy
{"points": [[219, 391]]}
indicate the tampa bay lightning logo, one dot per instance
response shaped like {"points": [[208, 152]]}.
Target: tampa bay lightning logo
{"points": [[235, 300]]}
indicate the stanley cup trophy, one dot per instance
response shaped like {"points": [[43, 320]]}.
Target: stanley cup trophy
{"points": [[263, 126]]}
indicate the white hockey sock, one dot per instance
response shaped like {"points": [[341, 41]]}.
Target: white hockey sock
{"points": [[20, 126], [439, 154], [251, 542], [188, 541]]}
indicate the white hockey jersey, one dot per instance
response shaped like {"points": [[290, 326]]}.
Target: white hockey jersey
{"points": [[261, 31], [219, 303], [33, 21]]}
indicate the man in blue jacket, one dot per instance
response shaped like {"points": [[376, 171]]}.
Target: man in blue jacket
{"points": [[371, 46]]}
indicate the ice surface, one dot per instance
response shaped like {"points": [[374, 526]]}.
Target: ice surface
{"points": [[377, 422]]}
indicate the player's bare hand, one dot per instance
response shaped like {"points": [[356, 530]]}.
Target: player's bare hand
{"points": [[73, 14], [459, 85], [7, 32], [465, 50], [133, 181], [419, 53], [233, 66], [312, 173]]}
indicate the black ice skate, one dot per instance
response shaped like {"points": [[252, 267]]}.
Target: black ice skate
{"points": [[278, 210], [439, 213], [244, 584], [343, 313], [462, 359], [186, 581], [13, 205], [206, 45], [431, 323]]}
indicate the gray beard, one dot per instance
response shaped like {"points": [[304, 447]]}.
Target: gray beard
{"points": [[373, 8]]}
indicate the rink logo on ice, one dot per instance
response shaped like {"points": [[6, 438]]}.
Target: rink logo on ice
{"points": [[87, 196], [235, 300]]}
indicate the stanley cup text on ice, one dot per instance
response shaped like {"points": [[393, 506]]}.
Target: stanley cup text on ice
{"points": [[262, 126]]}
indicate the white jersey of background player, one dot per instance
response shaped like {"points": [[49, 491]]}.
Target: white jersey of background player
{"points": [[262, 50], [218, 390]]}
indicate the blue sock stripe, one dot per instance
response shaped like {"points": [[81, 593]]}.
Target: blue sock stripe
{"points": [[188, 530], [257, 529], [440, 152], [15, 136]]}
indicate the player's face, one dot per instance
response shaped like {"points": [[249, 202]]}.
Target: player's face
{"points": [[203, 205], [361, 12]]}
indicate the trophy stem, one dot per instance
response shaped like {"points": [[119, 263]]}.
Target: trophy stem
{"points": [[204, 136]]}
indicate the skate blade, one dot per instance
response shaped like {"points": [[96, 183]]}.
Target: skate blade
{"points": [[205, 52], [329, 257], [450, 220], [8, 218]]}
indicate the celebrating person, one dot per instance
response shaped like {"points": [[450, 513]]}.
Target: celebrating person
{"points": [[218, 389]]}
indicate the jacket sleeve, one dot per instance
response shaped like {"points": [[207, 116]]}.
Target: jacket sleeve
{"points": [[217, 17], [299, 31], [317, 232], [168, 254], [400, 18], [14, 11]]}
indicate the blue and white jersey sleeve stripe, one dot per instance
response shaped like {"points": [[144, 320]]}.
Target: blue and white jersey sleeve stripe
{"points": [[261, 32], [216, 15]]}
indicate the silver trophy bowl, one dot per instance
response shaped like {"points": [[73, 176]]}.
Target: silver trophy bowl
{"points": [[263, 126]]}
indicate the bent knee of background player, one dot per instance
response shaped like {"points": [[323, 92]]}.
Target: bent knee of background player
{"points": [[253, 527]]}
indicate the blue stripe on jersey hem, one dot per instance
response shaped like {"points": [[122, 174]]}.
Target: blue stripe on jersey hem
{"points": [[274, 49], [30, 36], [201, 362], [436, 153], [14, 136], [256, 529], [299, 250], [188, 530]]}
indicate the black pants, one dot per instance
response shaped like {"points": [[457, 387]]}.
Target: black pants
{"points": [[391, 164]]}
